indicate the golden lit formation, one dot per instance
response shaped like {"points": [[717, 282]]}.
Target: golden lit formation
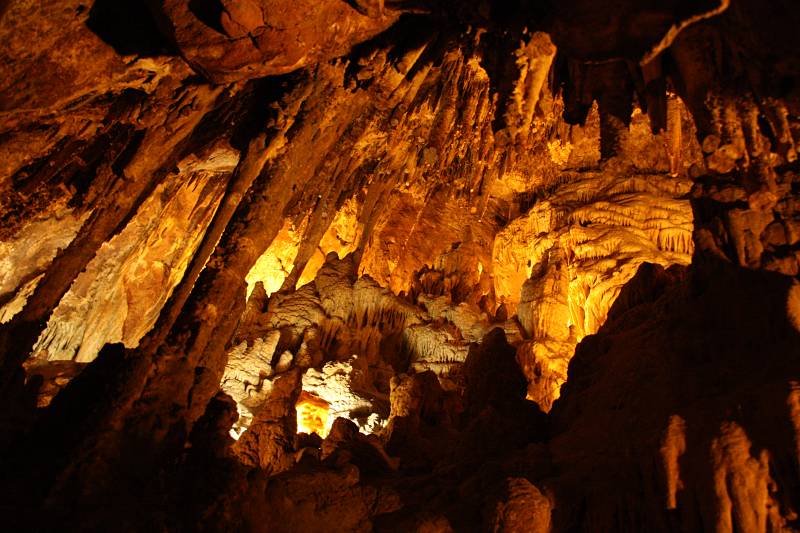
{"points": [[312, 415]]}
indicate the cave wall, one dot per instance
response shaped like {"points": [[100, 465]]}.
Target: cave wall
{"points": [[419, 213]]}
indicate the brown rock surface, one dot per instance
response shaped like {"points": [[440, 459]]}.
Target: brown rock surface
{"points": [[234, 40], [399, 265], [701, 444]]}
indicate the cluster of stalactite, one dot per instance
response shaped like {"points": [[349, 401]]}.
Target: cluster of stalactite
{"points": [[501, 184]]}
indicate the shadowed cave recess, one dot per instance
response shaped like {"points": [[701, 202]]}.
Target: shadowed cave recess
{"points": [[400, 266]]}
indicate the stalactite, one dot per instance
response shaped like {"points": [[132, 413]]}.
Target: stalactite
{"points": [[245, 174], [180, 116], [566, 243], [195, 346]]}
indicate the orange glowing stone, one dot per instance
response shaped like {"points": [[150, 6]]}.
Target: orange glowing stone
{"points": [[312, 415]]}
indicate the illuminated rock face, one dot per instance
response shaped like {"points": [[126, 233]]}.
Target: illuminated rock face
{"points": [[356, 265], [313, 414], [350, 337], [28, 254], [119, 295], [583, 245]]}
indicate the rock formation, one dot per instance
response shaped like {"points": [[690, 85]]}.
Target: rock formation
{"points": [[399, 265]]}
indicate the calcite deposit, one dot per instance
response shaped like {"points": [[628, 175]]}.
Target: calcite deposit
{"points": [[399, 266]]}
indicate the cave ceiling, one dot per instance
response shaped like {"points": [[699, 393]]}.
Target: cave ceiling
{"points": [[400, 265]]}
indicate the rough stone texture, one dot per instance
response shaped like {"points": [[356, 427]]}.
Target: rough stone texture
{"points": [[523, 508], [26, 256], [120, 294], [584, 244], [412, 214], [688, 411], [233, 40], [350, 337]]}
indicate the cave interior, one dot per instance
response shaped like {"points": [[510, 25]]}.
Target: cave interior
{"points": [[400, 266]]}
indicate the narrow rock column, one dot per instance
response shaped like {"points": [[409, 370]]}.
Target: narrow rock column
{"points": [[246, 172], [171, 124], [190, 362]]}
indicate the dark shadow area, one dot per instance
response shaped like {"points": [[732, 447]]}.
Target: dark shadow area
{"points": [[3, 7], [209, 12], [508, 24], [706, 354], [242, 116], [129, 27], [411, 31]]}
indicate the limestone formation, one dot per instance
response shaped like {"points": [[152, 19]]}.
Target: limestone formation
{"points": [[399, 265]]}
